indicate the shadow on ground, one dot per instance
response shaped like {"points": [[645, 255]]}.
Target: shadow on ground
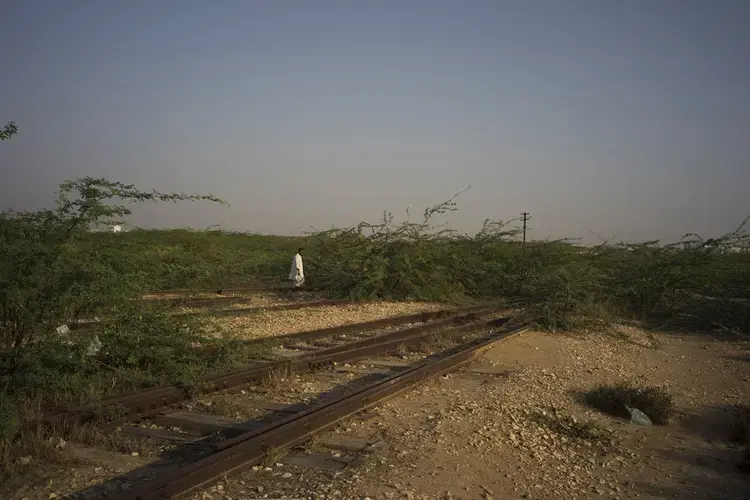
{"points": [[704, 464]]}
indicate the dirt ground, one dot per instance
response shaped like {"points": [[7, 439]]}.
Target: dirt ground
{"points": [[471, 436], [493, 436]]}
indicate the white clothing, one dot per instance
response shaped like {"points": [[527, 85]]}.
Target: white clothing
{"points": [[297, 273]]}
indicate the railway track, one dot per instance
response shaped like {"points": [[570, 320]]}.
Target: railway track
{"points": [[211, 447], [251, 310], [157, 295], [190, 302], [225, 297], [305, 351], [205, 304], [198, 298]]}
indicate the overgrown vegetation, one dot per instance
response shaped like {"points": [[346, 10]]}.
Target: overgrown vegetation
{"points": [[656, 402], [694, 283]]}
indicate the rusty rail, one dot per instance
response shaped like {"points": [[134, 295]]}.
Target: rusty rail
{"points": [[233, 455], [185, 298], [353, 328], [423, 317], [148, 401], [306, 335]]}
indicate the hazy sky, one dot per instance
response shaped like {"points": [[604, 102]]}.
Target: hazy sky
{"points": [[629, 117]]}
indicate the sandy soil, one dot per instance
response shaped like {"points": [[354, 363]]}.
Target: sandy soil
{"points": [[271, 323], [470, 436]]}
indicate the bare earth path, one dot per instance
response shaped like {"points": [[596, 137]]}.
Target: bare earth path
{"points": [[472, 435]]}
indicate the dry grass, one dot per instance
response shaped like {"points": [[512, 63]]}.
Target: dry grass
{"points": [[222, 406], [38, 448], [570, 426], [26, 443], [655, 402], [273, 456], [435, 343], [273, 379]]}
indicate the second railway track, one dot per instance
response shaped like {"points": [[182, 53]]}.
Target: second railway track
{"points": [[207, 304], [300, 352]]}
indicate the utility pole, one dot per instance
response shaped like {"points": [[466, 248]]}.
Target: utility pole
{"points": [[524, 217]]}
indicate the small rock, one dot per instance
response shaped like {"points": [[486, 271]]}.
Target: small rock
{"points": [[286, 475]]}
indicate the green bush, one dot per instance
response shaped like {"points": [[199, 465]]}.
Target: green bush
{"points": [[50, 270]]}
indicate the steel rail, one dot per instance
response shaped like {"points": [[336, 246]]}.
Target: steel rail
{"points": [[234, 455], [137, 404], [314, 363], [279, 307], [424, 318], [218, 290], [354, 328]]}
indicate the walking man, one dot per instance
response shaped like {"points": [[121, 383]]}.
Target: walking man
{"points": [[297, 274]]}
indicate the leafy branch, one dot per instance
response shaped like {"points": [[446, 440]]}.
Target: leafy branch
{"points": [[9, 130]]}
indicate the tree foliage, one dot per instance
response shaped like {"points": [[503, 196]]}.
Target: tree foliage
{"points": [[50, 271], [9, 130]]}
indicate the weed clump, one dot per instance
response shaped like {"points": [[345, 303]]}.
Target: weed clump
{"points": [[656, 402], [571, 427]]}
